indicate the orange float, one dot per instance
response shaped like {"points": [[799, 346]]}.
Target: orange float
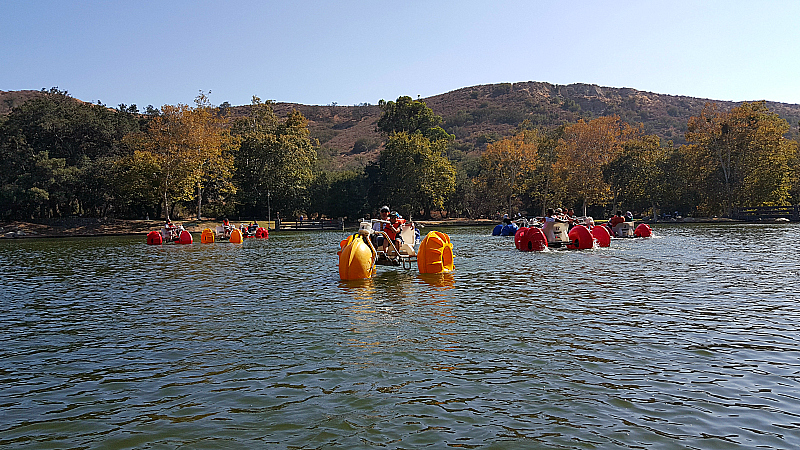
{"points": [[356, 259], [435, 253], [207, 237]]}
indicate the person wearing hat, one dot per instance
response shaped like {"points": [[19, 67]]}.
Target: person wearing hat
{"points": [[392, 230]]}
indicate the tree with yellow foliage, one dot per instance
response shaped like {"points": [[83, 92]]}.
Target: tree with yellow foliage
{"points": [[190, 148], [740, 157], [507, 163], [583, 152]]}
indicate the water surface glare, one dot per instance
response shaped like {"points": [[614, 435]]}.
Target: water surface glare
{"points": [[687, 340]]}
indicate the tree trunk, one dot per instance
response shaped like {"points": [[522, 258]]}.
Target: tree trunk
{"points": [[199, 201], [546, 193], [166, 206]]}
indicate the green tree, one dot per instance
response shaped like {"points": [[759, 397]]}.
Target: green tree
{"points": [[274, 161], [415, 174], [412, 167], [77, 141], [410, 116], [636, 174], [339, 194]]}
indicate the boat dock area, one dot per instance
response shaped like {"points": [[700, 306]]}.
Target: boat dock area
{"points": [[309, 225], [759, 213]]}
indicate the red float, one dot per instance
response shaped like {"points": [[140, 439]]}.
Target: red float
{"points": [[186, 237], [154, 238], [643, 230], [520, 238], [530, 239], [580, 238], [602, 236]]}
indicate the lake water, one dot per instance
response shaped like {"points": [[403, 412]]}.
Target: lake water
{"points": [[690, 339]]}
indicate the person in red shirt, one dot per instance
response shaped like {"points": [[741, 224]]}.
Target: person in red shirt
{"points": [[616, 219], [392, 230]]}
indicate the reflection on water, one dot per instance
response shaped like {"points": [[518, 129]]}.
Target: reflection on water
{"points": [[685, 340]]}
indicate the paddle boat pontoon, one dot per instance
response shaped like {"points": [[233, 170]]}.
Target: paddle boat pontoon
{"points": [[233, 234], [538, 234], [359, 255], [627, 230], [169, 234]]}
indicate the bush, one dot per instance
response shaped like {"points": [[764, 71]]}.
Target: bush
{"points": [[365, 144]]}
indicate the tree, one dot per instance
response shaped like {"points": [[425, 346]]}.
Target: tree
{"points": [[213, 145], [410, 116], [191, 147], [136, 184], [583, 152], [77, 141], [339, 194], [414, 172], [635, 176], [508, 162], [274, 161], [412, 168], [740, 157]]}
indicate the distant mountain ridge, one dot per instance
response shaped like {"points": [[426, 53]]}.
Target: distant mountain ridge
{"points": [[477, 115]]}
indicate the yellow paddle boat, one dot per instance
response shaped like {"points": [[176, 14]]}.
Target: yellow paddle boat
{"points": [[361, 252]]}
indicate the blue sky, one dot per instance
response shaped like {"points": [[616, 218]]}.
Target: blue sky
{"points": [[349, 52]]}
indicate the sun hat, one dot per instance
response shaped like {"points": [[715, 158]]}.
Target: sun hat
{"points": [[385, 209]]}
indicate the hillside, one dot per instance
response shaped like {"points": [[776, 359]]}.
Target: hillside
{"points": [[10, 99], [478, 115]]}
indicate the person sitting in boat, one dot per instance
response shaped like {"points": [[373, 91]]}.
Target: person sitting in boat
{"points": [[628, 217], [553, 216], [616, 219], [252, 228], [392, 230], [550, 219], [226, 227], [378, 226], [170, 231], [569, 216]]}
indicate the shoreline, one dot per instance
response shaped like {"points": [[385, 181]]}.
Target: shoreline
{"points": [[89, 227]]}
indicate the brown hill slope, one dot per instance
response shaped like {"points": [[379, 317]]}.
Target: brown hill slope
{"points": [[10, 99], [477, 115]]}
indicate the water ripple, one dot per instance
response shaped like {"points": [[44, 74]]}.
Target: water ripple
{"points": [[685, 340]]}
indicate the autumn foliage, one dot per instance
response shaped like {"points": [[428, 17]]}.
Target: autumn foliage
{"points": [[61, 158]]}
